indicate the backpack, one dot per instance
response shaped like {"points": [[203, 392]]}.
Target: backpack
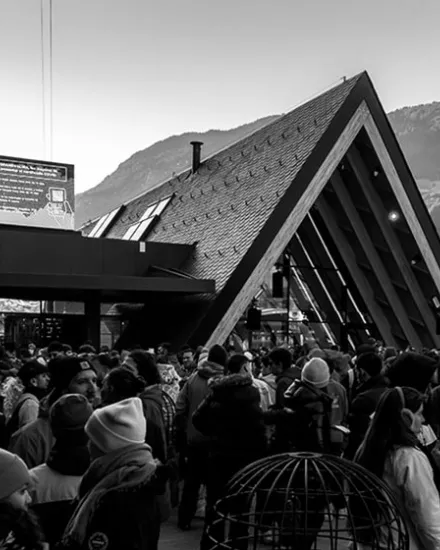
{"points": [[312, 423]]}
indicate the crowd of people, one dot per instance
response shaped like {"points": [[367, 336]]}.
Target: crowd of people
{"points": [[98, 448]]}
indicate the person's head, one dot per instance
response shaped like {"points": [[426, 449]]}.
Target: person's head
{"points": [[121, 383], [14, 481], [397, 421], [163, 351], [316, 373], [143, 364], [68, 417], [116, 426], [280, 359], [413, 370], [187, 357], [238, 364], [370, 364], [87, 348], [55, 349], [73, 375], [217, 354], [35, 377]]}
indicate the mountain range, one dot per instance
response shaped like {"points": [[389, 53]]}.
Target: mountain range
{"points": [[417, 129]]}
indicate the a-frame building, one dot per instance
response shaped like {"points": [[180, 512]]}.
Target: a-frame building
{"points": [[327, 183]]}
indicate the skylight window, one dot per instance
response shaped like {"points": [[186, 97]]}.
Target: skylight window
{"points": [[138, 230], [104, 223]]}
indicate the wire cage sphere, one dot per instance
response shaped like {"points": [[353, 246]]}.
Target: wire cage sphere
{"points": [[305, 501]]}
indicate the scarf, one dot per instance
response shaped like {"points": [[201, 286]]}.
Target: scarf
{"points": [[121, 470]]}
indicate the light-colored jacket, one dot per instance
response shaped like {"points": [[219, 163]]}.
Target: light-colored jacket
{"points": [[266, 400], [409, 475], [29, 408]]}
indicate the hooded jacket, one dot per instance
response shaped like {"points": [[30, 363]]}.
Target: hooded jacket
{"points": [[153, 405], [34, 441], [191, 395], [232, 417]]}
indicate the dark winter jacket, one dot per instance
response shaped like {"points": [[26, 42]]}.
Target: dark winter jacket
{"points": [[283, 381], [316, 413], [362, 407], [56, 483], [153, 404], [192, 394], [232, 418], [34, 441], [118, 504]]}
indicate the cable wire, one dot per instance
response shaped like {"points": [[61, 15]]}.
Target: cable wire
{"points": [[51, 78], [43, 78]]}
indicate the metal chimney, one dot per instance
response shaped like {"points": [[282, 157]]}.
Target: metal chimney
{"points": [[197, 149]]}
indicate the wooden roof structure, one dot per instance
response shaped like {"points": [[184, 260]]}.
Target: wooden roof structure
{"points": [[321, 182]]}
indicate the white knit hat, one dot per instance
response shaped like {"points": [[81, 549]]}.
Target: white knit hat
{"points": [[118, 425], [316, 373]]}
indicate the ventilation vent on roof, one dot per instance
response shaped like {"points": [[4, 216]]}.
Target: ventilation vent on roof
{"points": [[197, 152]]}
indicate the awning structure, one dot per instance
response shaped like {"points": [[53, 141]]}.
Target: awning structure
{"points": [[61, 265]]}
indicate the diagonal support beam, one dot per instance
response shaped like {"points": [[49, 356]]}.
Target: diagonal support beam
{"points": [[403, 200], [375, 203], [358, 277], [375, 261]]}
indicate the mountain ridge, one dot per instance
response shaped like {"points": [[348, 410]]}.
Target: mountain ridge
{"points": [[417, 128]]}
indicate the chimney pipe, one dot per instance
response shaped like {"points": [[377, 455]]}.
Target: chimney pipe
{"points": [[197, 149]]}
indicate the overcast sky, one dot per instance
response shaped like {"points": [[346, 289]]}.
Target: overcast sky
{"points": [[127, 73]]}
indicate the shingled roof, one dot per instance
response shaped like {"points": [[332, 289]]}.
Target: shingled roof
{"points": [[227, 202], [238, 200]]}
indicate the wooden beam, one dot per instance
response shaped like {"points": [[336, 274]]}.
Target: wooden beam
{"points": [[403, 200], [375, 261], [298, 213], [381, 215], [358, 277]]}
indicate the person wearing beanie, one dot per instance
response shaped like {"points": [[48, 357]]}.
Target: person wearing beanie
{"points": [[191, 443], [118, 506], [231, 415], [365, 403], [318, 406], [19, 529], [144, 365], [34, 442], [35, 379], [56, 483]]}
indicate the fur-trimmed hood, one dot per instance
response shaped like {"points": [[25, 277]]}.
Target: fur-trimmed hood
{"points": [[234, 387]]}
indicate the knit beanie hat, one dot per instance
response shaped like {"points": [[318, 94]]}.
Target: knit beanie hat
{"points": [[218, 354], [64, 369], [69, 415], [118, 425], [13, 474], [316, 373]]}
